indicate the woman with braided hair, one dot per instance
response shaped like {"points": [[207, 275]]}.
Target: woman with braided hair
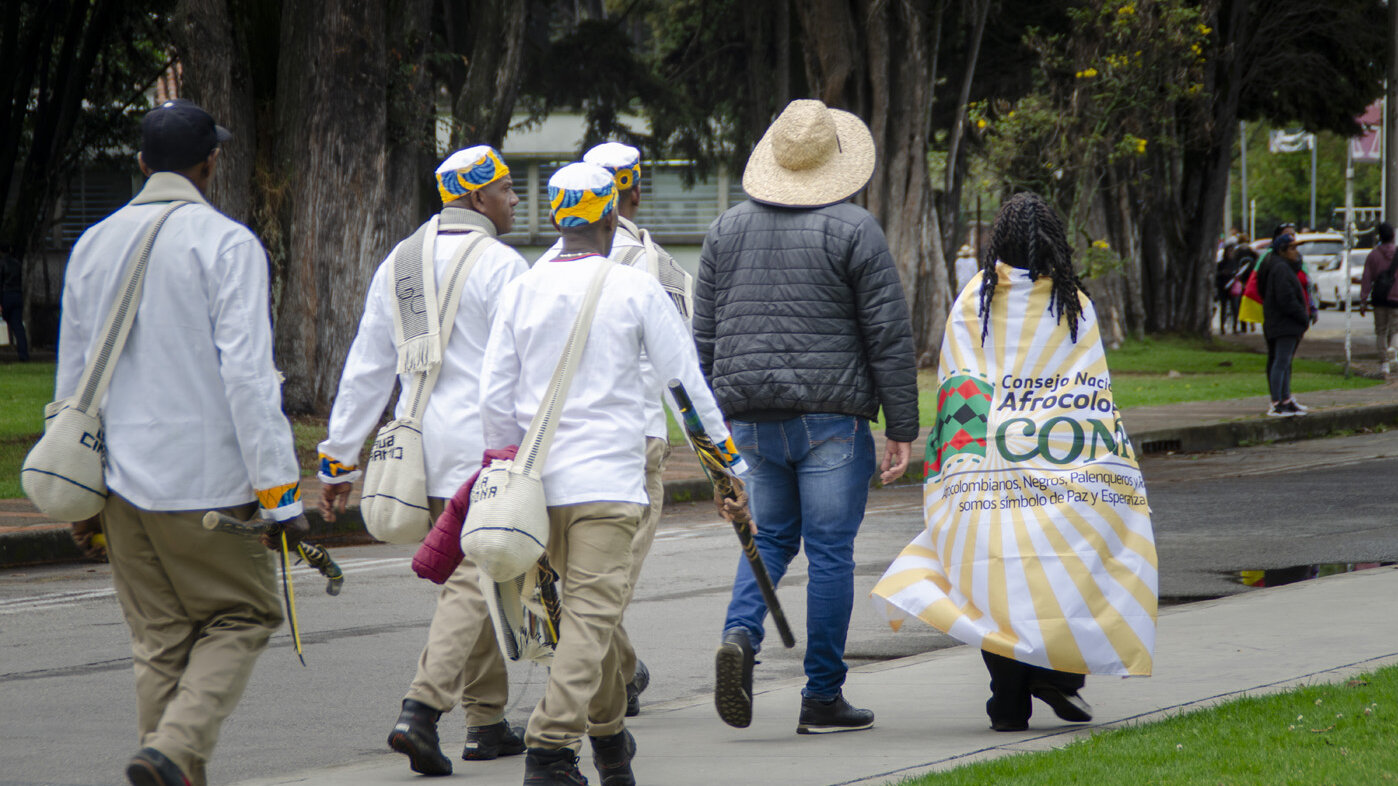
{"points": [[1029, 235], [1038, 546]]}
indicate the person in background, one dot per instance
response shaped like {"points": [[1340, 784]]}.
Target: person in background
{"points": [[12, 299], [1379, 264], [1286, 316]]}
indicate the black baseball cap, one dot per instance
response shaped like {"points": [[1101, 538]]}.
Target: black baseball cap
{"points": [[178, 134]]}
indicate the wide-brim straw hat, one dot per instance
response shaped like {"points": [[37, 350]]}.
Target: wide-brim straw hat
{"points": [[811, 156]]}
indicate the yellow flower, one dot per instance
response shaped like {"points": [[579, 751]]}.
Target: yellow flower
{"points": [[1203, 29], [1196, 50], [1127, 10], [1194, 89], [1101, 244], [1140, 146], [1087, 73], [980, 123]]}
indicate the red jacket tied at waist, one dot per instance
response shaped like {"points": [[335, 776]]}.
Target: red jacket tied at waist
{"points": [[440, 553]]}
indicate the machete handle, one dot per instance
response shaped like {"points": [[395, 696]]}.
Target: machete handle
{"points": [[222, 522]]}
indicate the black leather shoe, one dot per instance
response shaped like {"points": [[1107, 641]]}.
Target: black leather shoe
{"points": [[548, 767], [150, 767], [635, 688], [1003, 725], [612, 755], [822, 717], [415, 736], [484, 743], [733, 679], [1067, 705]]}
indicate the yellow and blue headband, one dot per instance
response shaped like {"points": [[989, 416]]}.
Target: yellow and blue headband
{"points": [[581, 194], [469, 170], [623, 161]]}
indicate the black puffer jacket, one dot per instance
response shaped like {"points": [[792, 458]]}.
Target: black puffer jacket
{"points": [[801, 310], [1284, 311]]}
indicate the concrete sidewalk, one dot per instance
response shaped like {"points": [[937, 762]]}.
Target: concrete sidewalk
{"points": [[26, 537], [930, 708]]}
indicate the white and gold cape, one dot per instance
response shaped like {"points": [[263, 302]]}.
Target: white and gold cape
{"points": [[1038, 542]]}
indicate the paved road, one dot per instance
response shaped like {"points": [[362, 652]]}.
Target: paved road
{"points": [[67, 692]]}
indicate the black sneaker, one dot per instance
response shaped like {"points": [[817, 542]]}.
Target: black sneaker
{"points": [[1067, 705], [549, 767], [612, 755], [823, 717], [638, 684], [1003, 725], [415, 736], [733, 679], [484, 743], [150, 767]]}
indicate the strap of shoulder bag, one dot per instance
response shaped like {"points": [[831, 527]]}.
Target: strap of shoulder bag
{"points": [[462, 263], [98, 372], [535, 447]]}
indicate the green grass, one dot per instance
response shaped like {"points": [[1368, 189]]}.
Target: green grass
{"points": [[1339, 733], [1207, 371], [24, 390]]}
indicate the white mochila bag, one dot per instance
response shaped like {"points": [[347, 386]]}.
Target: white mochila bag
{"points": [[507, 522], [64, 475], [394, 499]]}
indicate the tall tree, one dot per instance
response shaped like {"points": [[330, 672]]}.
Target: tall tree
{"points": [[877, 58], [334, 100]]}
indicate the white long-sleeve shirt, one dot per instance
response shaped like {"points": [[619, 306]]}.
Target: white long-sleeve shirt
{"points": [[626, 237], [598, 449], [193, 415], [452, 443]]}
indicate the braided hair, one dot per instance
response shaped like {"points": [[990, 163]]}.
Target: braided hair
{"points": [[1028, 234]]}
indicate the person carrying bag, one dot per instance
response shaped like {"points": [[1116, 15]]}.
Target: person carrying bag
{"points": [[64, 475]]}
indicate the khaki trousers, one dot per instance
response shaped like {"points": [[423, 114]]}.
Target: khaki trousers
{"points": [[1385, 328], [590, 547], [657, 451], [462, 661], [201, 606]]}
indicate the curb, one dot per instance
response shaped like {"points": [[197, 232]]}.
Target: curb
{"points": [[47, 546]]}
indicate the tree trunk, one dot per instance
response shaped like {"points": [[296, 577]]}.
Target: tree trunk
{"points": [[956, 159], [874, 58], [214, 75], [335, 85], [491, 37]]}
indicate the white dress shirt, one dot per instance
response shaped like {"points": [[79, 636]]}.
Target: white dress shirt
{"points": [[598, 449], [193, 416], [451, 426], [627, 238]]}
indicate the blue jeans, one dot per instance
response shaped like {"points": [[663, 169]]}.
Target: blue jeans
{"points": [[808, 481]]}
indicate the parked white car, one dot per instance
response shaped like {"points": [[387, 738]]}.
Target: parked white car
{"points": [[1330, 279]]}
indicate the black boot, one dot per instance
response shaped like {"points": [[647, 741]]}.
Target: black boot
{"points": [[150, 767], [549, 767], [1066, 703], [638, 684], [612, 755], [488, 742], [733, 679], [415, 736], [820, 717]]}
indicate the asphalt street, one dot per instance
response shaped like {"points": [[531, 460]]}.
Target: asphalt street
{"points": [[68, 695]]}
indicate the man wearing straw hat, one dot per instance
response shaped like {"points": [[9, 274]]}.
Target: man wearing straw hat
{"points": [[633, 246], [594, 470], [193, 423], [461, 660], [803, 330]]}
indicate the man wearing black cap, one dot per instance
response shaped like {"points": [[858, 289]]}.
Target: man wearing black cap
{"points": [[193, 423]]}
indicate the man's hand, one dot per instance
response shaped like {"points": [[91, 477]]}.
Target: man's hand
{"points": [[731, 510], [895, 460], [88, 535], [296, 528], [333, 499]]}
